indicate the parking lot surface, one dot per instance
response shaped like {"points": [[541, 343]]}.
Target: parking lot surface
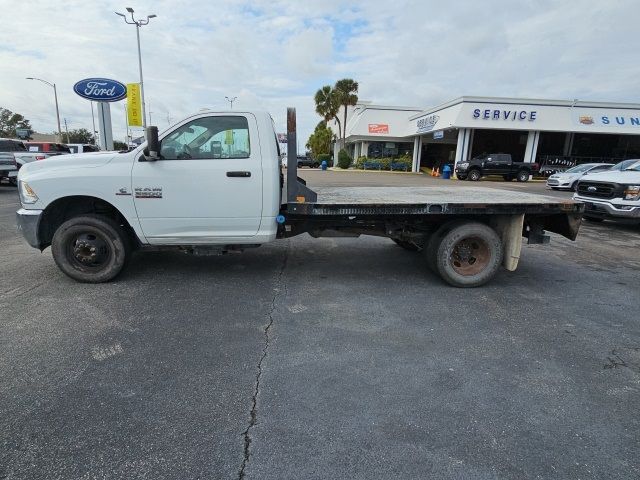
{"points": [[323, 358]]}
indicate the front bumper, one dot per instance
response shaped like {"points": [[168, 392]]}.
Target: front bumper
{"points": [[28, 222], [601, 209]]}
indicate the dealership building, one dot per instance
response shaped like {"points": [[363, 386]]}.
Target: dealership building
{"points": [[548, 132]]}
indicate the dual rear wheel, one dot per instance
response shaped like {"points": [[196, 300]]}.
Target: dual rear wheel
{"points": [[463, 253]]}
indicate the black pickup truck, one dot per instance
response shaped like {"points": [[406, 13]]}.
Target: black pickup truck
{"points": [[495, 164]]}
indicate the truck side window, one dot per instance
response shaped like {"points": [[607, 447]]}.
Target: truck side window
{"points": [[208, 138]]}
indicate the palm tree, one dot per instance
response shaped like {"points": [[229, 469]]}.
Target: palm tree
{"points": [[346, 92], [327, 105]]}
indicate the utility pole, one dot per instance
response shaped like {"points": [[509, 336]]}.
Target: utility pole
{"points": [[66, 129], [231, 100], [138, 24], [55, 96]]}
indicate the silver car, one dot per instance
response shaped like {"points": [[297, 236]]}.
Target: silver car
{"points": [[568, 180]]}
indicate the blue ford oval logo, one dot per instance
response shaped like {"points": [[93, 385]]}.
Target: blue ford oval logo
{"points": [[100, 89]]}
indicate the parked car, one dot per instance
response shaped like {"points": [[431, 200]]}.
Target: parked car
{"points": [[13, 155], [82, 147], [50, 148], [619, 166], [304, 161], [495, 164], [568, 180], [611, 195]]}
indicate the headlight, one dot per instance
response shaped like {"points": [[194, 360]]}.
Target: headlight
{"points": [[27, 195], [463, 165], [632, 192]]}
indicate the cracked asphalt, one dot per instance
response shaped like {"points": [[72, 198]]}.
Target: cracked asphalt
{"points": [[322, 359]]}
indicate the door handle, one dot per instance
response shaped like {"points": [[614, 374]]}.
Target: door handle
{"points": [[238, 174]]}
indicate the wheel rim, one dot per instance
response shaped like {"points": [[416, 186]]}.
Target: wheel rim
{"points": [[470, 256], [89, 250], [474, 176], [523, 176]]}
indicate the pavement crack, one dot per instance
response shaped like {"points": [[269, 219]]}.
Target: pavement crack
{"points": [[253, 414]]}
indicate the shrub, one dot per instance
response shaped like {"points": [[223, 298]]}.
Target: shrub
{"points": [[324, 156], [344, 159], [360, 162], [404, 160]]}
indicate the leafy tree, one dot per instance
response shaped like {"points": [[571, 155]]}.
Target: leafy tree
{"points": [[9, 121], [80, 135], [327, 105], [117, 145], [319, 142], [346, 95]]}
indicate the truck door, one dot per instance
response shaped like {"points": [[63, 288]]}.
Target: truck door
{"points": [[497, 164], [207, 184]]}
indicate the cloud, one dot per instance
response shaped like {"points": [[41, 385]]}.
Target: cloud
{"points": [[273, 54]]}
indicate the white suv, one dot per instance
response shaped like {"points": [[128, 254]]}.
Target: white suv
{"points": [[611, 195]]}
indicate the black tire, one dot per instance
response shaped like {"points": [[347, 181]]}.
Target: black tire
{"points": [[474, 175], [522, 176], [461, 177], [430, 250], [13, 181], [593, 219], [507, 178], [469, 255], [299, 164], [91, 248], [315, 165], [412, 247]]}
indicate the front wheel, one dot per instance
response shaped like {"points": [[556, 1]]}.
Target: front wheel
{"points": [[474, 175], [91, 248], [469, 255], [523, 176]]}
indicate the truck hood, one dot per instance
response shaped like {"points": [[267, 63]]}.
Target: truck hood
{"points": [[624, 177], [78, 160]]}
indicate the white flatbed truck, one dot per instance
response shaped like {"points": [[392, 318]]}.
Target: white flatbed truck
{"points": [[213, 183]]}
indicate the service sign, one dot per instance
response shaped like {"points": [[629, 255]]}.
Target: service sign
{"points": [[100, 89], [426, 124]]}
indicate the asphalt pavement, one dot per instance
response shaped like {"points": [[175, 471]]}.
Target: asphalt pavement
{"points": [[322, 359]]}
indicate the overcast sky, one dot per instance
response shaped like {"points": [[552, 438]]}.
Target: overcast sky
{"points": [[276, 53]]}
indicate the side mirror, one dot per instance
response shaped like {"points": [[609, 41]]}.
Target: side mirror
{"points": [[152, 152]]}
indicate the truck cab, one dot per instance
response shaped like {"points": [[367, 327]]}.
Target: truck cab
{"points": [[215, 180]]}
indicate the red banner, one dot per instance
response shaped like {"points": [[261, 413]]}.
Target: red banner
{"points": [[378, 128]]}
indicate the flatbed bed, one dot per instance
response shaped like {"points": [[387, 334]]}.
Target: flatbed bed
{"points": [[428, 200], [465, 233]]}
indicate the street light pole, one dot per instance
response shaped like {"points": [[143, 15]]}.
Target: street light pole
{"points": [[231, 100], [138, 24], [55, 95]]}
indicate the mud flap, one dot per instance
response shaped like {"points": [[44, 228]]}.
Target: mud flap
{"points": [[509, 228]]}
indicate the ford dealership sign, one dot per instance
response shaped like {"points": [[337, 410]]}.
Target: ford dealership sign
{"points": [[100, 89]]}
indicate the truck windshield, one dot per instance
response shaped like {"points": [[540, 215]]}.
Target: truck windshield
{"points": [[579, 168], [634, 167]]}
